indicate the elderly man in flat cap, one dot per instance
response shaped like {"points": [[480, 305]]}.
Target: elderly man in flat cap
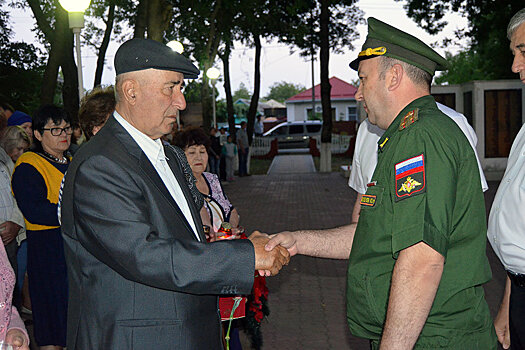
{"points": [[141, 273], [417, 258]]}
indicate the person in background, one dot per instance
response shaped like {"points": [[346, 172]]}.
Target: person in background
{"points": [[229, 150], [195, 144], [95, 109], [13, 142], [244, 149], [23, 120], [6, 110], [506, 229], [222, 165], [215, 152], [36, 183], [258, 128], [12, 329]]}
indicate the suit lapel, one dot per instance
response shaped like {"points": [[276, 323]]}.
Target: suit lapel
{"points": [[149, 170], [175, 166]]}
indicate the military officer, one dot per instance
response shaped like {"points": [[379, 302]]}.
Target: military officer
{"points": [[415, 275]]}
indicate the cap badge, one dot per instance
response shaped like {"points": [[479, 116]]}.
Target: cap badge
{"points": [[378, 51]]}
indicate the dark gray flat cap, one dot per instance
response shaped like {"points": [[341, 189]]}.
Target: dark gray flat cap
{"points": [[139, 54]]}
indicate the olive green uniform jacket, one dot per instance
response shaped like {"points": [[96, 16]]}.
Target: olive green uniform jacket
{"points": [[425, 188]]}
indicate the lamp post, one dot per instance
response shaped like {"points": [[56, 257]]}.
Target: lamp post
{"points": [[75, 9], [212, 74]]}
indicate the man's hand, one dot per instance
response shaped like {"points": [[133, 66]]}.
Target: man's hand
{"points": [[8, 231], [17, 338], [269, 261], [286, 239], [501, 322]]}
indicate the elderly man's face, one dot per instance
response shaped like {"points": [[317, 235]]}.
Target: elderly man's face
{"points": [[159, 98], [517, 46]]}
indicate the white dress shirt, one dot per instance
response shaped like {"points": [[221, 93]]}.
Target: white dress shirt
{"points": [[365, 154], [506, 230], [154, 150]]}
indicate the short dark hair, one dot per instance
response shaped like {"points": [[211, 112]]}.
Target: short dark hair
{"points": [[417, 75], [192, 136], [95, 109], [43, 115]]}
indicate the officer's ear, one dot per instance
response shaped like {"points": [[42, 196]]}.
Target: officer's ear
{"points": [[395, 77], [129, 90]]}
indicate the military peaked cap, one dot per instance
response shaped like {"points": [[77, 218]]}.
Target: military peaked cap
{"points": [[139, 54], [385, 40]]}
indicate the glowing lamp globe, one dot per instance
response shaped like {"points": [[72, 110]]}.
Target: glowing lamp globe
{"points": [[176, 46], [75, 5], [213, 73]]}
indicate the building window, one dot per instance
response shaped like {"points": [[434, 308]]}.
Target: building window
{"points": [[352, 113]]}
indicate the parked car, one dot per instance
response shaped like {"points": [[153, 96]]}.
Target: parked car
{"points": [[295, 134]]}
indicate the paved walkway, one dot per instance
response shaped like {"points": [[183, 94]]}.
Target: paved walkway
{"points": [[306, 299], [292, 164]]}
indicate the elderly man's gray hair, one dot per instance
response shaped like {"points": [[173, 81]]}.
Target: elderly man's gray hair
{"points": [[515, 22]]}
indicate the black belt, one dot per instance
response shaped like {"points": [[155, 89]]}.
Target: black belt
{"points": [[517, 278]]}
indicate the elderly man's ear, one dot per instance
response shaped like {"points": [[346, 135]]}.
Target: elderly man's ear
{"points": [[129, 91]]}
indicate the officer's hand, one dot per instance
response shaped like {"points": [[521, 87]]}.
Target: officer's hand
{"points": [[285, 239], [501, 324]]}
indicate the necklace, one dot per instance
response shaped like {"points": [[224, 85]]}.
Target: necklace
{"points": [[55, 159]]}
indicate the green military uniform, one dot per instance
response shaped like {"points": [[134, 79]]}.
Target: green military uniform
{"points": [[425, 188]]}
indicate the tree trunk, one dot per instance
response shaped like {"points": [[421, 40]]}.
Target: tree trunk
{"points": [[104, 46], [326, 134], [141, 20], [206, 100], [49, 81], [159, 15], [228, 89], [254, 103]]}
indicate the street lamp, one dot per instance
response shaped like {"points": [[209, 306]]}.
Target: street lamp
{"points": [[212, 74], [75, 9], [176, 46]]}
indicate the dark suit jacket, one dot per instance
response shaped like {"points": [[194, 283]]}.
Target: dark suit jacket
{"points": [[138, 277]]}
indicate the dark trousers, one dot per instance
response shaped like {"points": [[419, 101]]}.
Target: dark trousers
{"points": [[222, 168], [214, 164], [243, 160], [517, 317]]}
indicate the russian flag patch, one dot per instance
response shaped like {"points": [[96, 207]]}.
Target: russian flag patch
{"points": [[410, 177]]}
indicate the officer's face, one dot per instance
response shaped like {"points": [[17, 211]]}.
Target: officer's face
{"points": [[372, 91], [517, 46]]}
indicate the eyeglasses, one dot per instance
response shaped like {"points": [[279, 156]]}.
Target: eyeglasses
{"points": [[58, 131]]}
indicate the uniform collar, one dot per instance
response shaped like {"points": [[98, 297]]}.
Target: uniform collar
{"points": [[420, 102]]}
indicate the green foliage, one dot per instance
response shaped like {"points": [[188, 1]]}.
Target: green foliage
{"points": [[241, 92], [21, 69], [300, 22], [464, 67], [282, 91], [193, 89], [489, 47]]}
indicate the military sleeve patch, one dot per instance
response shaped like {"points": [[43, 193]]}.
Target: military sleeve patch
{"points": [[410, 177], [368, 200]]}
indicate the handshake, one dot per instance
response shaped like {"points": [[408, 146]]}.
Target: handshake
{"points": [[272, 252]]}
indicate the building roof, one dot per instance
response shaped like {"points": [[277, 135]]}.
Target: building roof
{"points": [[341, 90], [275, 104]]}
